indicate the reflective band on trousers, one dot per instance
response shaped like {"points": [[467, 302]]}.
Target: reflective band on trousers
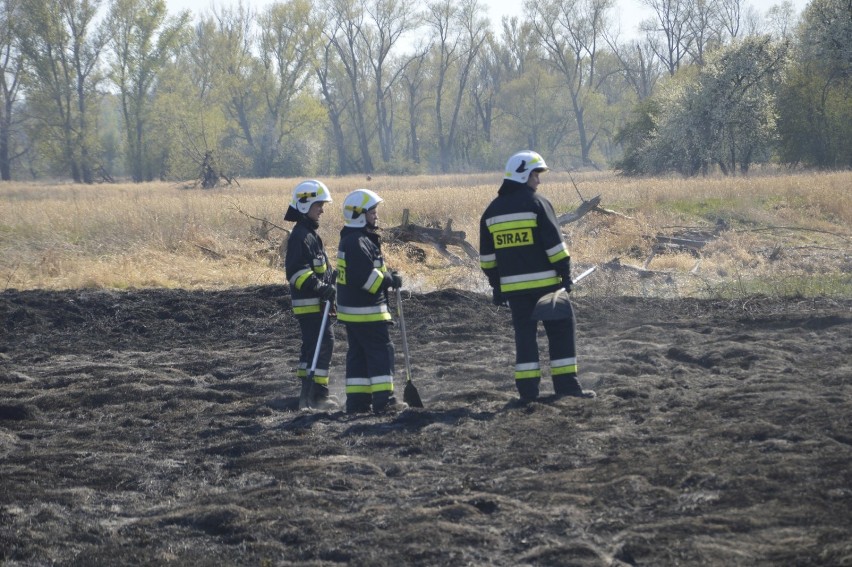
{"points": [[382, 383], [526, 370], [563, 366]]}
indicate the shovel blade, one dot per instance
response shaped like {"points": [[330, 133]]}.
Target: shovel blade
{"points": [[552, 306], [411, 396]]}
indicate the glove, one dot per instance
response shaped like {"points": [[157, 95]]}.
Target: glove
{"points": [[393, 280], [327, 292], [497, 297], [565, 273]]}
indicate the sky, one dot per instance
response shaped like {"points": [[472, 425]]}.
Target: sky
{"points": [[630, 12]]}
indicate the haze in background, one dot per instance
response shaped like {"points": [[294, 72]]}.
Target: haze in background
{"points": [[630, 12]]}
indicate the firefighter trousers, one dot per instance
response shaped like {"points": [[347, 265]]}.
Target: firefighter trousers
{"points": [[561, 339], [369, 366]]}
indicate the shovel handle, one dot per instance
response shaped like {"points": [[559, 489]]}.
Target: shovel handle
{"points": [[325, 313], [584, 274], [313, 369], [404, 334]]}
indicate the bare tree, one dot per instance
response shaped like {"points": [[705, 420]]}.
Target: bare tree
{"points": [[62, 46], [391, 19], [460, 30], [782, 20], [289, 48], [11, 71], [413, 79], [668, 31], [704, 28], [336, 101], [571, 32], [347, 24], [640, 65], [143, 41], [237, 72]]}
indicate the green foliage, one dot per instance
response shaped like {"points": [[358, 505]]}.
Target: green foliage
{"points": [[633, 135], [722, 117], [815, 102], [299, 88], [61, 43], [143, 41]]}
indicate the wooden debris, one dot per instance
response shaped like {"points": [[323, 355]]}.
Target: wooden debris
{"points": [[212, 254], [439, 238], [584, 208], [690, 240]]}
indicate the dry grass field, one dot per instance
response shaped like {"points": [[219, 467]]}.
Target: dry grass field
{"points": [[781, 234]]}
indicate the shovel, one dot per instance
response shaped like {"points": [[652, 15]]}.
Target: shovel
{"points": [[304, 396], [410, 394], [555, 305]]}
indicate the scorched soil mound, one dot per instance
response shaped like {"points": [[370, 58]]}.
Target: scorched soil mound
{"points": [[160, 427]]}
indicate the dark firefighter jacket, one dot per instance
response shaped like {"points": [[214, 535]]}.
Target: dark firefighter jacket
{"points": [[306, 266], [520, 243], [361, 283]]}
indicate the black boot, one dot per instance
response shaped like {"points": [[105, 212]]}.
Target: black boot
{"points": [[384, 402], [357, 403], [528, 389], [568, 385], [320, 398]]}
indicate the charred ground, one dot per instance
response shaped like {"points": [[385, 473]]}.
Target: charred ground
{"points": [[159, 426]]}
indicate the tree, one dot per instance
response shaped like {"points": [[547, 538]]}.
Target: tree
{"points": [[459, 30], [62, 47], [816, 98], [390, 19], [189, 107], [640, 66], [346, 27], [571, 32], [413, 78], [289, 47], [723, 114], [538, 115], [143, 41], [335, 101], [238, 74], [703, 27], [668, 31], [782, 19], [11, 72]]}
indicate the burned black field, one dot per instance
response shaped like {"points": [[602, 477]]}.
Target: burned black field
{"points": [[160, 427]]}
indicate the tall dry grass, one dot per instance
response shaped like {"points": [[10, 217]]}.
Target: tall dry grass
{"points": [[785, 234]]}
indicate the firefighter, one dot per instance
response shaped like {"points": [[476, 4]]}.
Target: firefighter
{"points": [[524, 257], [363, 282], [311, 285]]}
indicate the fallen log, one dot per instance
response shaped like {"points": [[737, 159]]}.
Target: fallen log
{"points": [[439, 238], [584, 208]]}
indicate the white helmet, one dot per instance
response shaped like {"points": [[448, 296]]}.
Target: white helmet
{"points": [[520, 165], [309, 192], [356, 204]]}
